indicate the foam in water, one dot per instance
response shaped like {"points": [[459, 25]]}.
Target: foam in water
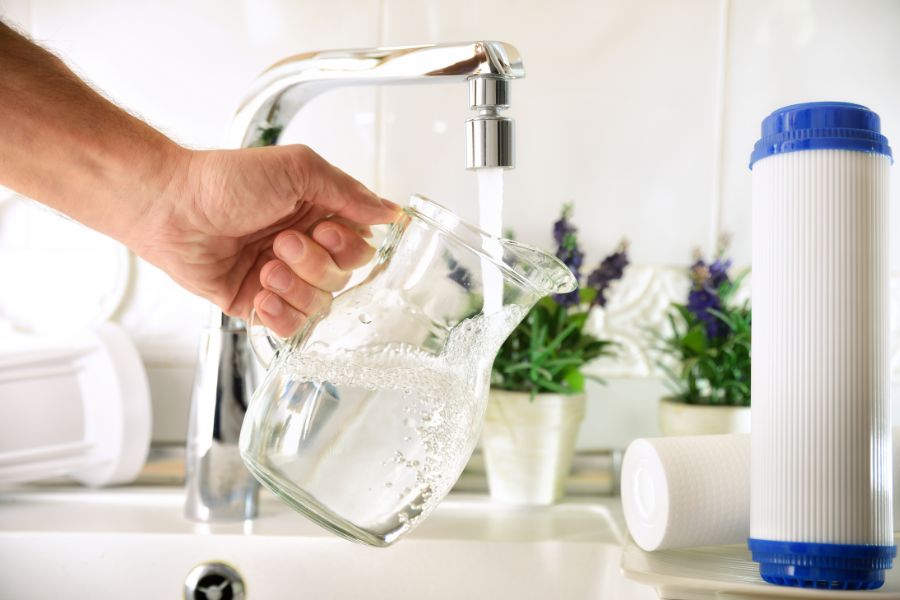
{"points": [[378, 436]]}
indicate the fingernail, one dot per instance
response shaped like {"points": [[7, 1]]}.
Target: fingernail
{"points": [[290, 247], [279, 279], [272, 305], [329, 238]]}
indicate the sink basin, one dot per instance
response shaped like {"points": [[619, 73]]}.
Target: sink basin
{"points": [[134, 543]]}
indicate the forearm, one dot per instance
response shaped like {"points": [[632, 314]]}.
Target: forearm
{"points": [[65, 145]]}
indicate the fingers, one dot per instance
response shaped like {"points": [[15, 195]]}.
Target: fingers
{"points": [[346, 247], [363, 230], [287, 301], [298, 282], [278, 315], [321, 183], [306, 298]]}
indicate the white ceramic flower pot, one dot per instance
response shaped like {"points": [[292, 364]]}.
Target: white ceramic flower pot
{"points": [[678, 418], [528, 445]]}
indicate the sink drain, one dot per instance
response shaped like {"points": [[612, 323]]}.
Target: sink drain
{"points": [[214, 581]]}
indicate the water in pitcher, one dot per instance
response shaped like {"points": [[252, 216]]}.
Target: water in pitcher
{"points": [[397, 423]]}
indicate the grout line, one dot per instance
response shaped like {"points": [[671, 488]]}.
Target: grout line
{"points": [[715, 227]]}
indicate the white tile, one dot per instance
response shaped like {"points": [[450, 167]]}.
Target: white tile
{"points": [[14, 217], [16, 13], [616, 113], [185, 67], [787, 51]]}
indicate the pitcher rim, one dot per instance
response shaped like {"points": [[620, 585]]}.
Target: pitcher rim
{"points": [[561, 288]]}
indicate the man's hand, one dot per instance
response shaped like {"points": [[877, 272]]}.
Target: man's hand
{"points": [[276, 228]]}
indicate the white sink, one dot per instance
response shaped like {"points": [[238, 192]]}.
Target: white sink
{"points": [[134, 543]]}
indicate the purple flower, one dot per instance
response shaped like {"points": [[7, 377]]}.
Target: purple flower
{"points": [[568, 251], [611, 269], [572, 257], [562, 228], [700, 300], [718, 272], [704, 294], [565, 234]]}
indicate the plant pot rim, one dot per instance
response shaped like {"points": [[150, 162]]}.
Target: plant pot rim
{"points": [[502, 392], [670, 400]]}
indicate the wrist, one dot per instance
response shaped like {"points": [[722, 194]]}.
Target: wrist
{"points": [[156, 195]]}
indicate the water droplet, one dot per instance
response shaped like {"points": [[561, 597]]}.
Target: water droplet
{"points": [[365, 318]]}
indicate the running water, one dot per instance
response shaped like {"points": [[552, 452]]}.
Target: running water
{"points": [[490, 205]]}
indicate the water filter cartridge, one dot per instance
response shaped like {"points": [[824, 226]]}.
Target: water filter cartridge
{"points": [[694, 490], [820, 509]]}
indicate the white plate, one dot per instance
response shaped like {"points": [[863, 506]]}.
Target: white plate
{"points": [[34, 455], [720, 572]]}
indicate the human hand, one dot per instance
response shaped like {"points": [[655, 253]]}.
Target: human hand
{"points": [[276, 228]]}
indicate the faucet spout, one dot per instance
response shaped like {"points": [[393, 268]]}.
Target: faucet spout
{"points": [[285, 87]]}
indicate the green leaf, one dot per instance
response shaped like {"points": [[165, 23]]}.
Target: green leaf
{"points": [[587, 295], [695, 340], [575, 379], [552, 387]]}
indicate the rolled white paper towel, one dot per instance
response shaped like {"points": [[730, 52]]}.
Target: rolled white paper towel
{"points": [[679, 492]]}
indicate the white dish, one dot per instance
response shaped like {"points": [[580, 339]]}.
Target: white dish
{"points": [[33, 455], [719, 572]]}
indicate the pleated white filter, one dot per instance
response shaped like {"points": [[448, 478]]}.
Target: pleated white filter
{"points": [[821, 455], [681, 492]]}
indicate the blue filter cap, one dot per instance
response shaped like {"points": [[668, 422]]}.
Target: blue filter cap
{"points": [[821, 126], [822, 566]]}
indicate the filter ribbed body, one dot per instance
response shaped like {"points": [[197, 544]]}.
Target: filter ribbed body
{"points": [[821, 449]]}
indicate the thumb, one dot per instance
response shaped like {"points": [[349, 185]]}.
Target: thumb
{"points": [[323, 184]]}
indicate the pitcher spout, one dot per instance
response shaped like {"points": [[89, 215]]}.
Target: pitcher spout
{"points": [[543, 272]]}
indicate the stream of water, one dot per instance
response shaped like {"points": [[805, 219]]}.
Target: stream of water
{"points": [[490, 206]]}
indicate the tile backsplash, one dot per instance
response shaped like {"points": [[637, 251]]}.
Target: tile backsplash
{"points": [[642, 113]]}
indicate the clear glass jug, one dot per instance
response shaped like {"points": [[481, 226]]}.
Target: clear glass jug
{"points": [[368, 415]]}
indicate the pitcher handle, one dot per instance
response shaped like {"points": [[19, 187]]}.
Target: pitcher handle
{"points": [[275, 343]]}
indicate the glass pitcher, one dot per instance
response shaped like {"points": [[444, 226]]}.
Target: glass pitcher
{"points": [[368, 415]]}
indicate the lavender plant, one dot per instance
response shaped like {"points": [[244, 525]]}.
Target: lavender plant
{"points": [[547, 351], [710, 338]]}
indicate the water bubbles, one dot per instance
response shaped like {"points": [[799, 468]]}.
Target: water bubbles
{"points": [[426, 403], [365, 318]]}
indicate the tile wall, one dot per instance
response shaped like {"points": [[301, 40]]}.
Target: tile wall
{"points": [[642, 113]]}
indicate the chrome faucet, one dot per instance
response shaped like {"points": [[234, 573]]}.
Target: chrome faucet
{"points": [[218, 486]]}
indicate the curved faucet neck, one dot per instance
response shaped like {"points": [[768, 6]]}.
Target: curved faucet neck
{"points": [[284, 88]]}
